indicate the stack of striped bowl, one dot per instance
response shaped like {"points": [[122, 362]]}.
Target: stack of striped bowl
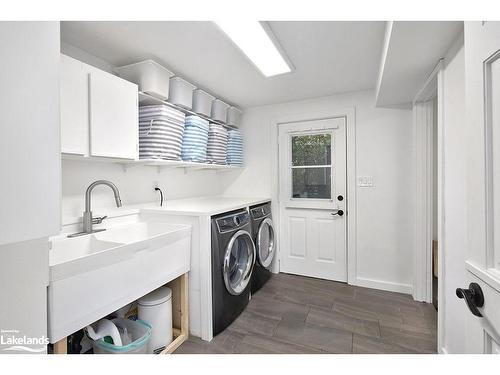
{"points": [[195, 139], [235, 147], [217, 144], [160, 132]]}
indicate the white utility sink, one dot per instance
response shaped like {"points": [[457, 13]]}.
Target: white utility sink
{"points": [[93, 275], [136, 232], [69, 249]]}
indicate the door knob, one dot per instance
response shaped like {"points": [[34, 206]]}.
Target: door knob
{"points": [[338, 212], [473, 297]]}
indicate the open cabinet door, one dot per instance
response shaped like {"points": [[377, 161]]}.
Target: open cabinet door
{"points": [[482, 87]]}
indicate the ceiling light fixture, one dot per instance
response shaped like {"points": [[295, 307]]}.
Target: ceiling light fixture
{"points": [[257, 44]]}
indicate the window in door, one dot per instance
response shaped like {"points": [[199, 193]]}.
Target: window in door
{"points": [[311, 166]]}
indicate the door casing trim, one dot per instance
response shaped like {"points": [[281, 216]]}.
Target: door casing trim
{"points": [[422, 268], [350, 115]]}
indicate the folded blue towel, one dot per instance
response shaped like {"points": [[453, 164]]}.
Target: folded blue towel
{"points": [[195, 139]]}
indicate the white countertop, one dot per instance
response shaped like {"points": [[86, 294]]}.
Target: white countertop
{"points": [[198, 206], [205, 205]]}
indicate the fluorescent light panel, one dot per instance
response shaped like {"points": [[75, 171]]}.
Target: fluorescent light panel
{"points": [[254, 41]]}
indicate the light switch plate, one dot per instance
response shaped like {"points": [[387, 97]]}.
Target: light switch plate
{"points": [[365, 181]]}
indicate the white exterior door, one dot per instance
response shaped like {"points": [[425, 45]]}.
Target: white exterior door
{"points": [[482, 86], [312, 174]]}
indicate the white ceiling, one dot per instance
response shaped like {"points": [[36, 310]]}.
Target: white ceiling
{"points": [[328, 57], [412, 50]]}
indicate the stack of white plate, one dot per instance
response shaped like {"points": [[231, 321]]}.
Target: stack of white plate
{"points": [[217, 144], [195, 139], [235, 147], [160, 132]]}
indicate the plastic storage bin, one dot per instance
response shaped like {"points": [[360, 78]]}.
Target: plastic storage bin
{"points": [[151, 77], [219, 110], [140, 332], [202, 102], [233, 116], [181, 92], [156, 309]]}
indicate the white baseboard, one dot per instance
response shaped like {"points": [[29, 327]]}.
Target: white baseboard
{"points": [[384, 285]]}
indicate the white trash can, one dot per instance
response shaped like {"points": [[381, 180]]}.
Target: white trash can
{"points": [[155, 308]]}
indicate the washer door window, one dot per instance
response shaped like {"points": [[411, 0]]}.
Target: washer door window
{"points": [[238, 262], [265, 243]]}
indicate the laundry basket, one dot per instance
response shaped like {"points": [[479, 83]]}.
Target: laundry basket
{"points": [[160, 132], [140, 332]]}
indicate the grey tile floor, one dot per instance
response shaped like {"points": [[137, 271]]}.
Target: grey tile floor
{"points": [[294, 314]]}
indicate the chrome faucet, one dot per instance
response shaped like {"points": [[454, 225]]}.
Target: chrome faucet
{"points": [[88, 220]]}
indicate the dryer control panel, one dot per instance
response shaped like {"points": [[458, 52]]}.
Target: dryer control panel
{"points": [[233, 221], [260, 211]]}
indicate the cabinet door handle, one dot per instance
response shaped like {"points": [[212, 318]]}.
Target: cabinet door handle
{"points": [[473, 297]]}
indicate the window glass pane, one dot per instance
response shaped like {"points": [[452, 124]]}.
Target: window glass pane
{"points": [[311, 149], [312, 183]]}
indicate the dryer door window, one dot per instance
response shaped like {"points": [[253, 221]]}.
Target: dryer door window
{"points": [[265, 243], [238, 262]]}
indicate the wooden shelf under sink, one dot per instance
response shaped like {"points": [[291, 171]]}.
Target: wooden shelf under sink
{"points": [[180, 317]]}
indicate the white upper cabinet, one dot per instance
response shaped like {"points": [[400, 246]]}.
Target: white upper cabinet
{"points": [[74, 95], [99, 112], [113, 116]]}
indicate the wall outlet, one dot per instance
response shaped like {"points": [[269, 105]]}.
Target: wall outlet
{"points": [[156, 184], [365, 181]]}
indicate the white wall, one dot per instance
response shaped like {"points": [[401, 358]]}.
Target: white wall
{"points": [[86, 57], [136, 185], [29, 173], [451, 308], [383, 150]]}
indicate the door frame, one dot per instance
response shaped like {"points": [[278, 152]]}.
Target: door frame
{"points": [[423, 158], [350, 116]]}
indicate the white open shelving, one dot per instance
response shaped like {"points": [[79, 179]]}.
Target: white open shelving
{"points": [[146, 99], [160, 164]]}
